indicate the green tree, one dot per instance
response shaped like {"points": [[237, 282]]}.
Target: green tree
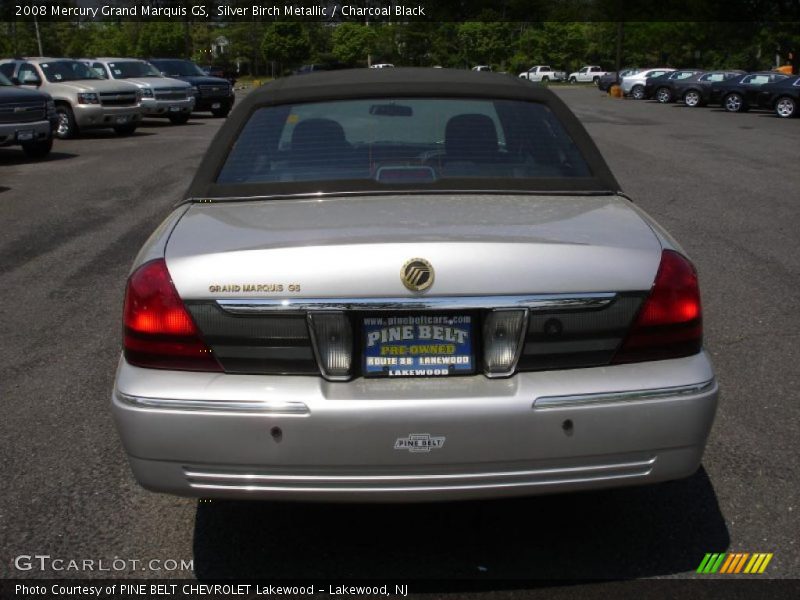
{"points": [[353, 42], [286, 43]]}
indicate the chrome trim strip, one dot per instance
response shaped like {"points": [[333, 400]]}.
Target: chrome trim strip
{"points": [[539, 302], [417, 488], [316, 196], [232, 406], [548, 402], [632, 465]]}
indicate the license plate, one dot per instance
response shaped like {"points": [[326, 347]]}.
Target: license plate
{"points": [[25, 135], [216, 105], [121, 120], [174, 109], [418, 346]]}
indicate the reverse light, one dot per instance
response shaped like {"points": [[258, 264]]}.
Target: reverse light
{"points": [[332, 338], [159, 333], [503, 338], [670, 322]]}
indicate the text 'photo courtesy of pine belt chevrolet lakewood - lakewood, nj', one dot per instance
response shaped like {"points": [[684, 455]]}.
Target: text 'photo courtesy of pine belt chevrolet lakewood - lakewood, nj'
{"points": [[409, 285]]}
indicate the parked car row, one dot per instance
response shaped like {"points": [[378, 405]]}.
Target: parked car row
{"points": [[733, 90], [42, 97]]}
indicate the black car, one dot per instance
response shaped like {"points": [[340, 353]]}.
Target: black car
{"points": [[782, 96], [695, 90], [739, 94], [662, 88], [213, 94], [613, 78], [27, 118]]}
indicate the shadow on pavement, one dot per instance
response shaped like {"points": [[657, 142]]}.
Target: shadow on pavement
{"points": [[15, 156], [159, 123], [616, 534]]}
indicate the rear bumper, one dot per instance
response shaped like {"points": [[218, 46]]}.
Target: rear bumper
{"points": [[93, 116], [41, 131], [303, 438]]}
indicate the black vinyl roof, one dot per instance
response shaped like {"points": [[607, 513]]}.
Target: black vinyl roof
{"points": [[393, 83]]}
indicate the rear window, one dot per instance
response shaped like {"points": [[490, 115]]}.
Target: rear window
{"points": [[402, 141]]}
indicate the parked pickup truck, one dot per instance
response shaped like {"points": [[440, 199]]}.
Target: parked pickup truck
{"points": [[587, 74], [543, 73], [27, 118]]}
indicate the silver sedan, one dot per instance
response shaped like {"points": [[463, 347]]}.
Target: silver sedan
{"points": [[409, 285]]}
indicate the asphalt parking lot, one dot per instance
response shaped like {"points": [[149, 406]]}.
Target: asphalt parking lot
{"points": [[725, 185]]}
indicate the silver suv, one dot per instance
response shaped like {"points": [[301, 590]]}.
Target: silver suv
{"points": [[83, 100], [161, 96]]}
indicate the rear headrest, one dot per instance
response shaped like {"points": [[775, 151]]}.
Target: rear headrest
{"points": [[470, 136], [318, 135]]}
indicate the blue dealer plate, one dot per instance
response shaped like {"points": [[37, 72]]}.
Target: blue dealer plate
{"points": [[418, 345]]}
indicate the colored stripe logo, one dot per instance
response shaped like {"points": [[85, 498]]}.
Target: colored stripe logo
{"points": [[734, 562]]}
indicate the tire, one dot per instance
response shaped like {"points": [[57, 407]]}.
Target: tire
{"points": [[221, 112], [595, 80], [663, 95], [545, 79], [38, 149], [67, 128], [125, 129], [733, 103], [637, 93], [692, 99], [573, 80], [179, 119], [786, 107]]}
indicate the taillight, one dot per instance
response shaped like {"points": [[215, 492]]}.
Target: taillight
{"points": [[670, 322], [159, 332]]}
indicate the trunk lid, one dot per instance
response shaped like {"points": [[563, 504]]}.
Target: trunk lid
{"points": [[356, 247]]}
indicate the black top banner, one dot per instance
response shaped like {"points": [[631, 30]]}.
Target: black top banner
{"points": [[401, 10]]}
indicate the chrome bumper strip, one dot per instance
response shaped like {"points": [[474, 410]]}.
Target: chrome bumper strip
{"points": [[546, 402], [229, 406], [539, 302]]}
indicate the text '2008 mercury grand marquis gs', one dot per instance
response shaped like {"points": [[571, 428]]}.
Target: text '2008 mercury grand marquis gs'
{"points": [[406, 285]]}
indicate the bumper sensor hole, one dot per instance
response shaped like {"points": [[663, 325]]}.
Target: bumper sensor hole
{"points": [[567, 426], [276, 433]]}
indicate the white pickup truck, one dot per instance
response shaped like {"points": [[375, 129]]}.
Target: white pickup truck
{"points": [[543, 73], [587, 74]]}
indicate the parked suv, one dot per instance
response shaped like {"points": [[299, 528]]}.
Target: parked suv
{"points": [[161, 96], [83, 100], [211, 93], [27, 118]]}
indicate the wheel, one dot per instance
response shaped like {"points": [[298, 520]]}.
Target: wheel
{"points": [[637, 92], [125, 129], [786, 107], [573, 80], [221, 111], [545, 79], [38, 149], [595, 80], [178, 119], [692, 98], [733, 103], [663, 95], [67, 127]]}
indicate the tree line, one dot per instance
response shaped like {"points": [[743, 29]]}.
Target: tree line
{"points": [[277, 47]]}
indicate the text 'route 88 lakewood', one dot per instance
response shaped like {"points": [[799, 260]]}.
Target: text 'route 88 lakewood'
{"points": [[150, 590]]}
